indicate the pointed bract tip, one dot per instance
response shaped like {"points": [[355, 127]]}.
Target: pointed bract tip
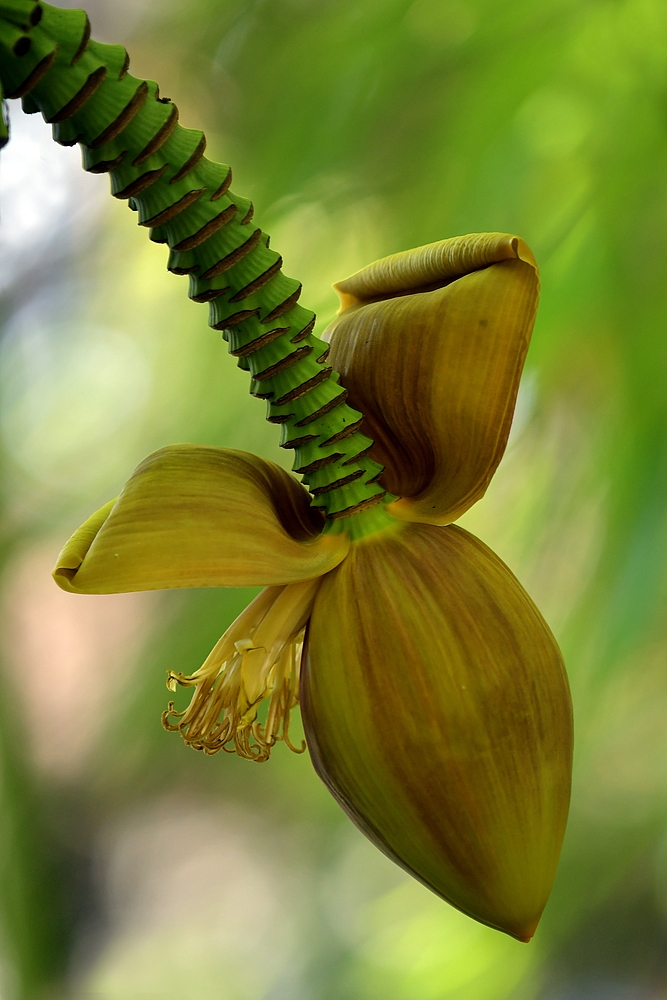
{"points": [[526, 934]]}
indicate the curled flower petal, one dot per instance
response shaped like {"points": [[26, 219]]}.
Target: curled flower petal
{"points": [[437, 711], [430, 345], [193, 516]]}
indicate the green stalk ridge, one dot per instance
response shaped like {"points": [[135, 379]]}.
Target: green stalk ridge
{"points": [[84, 90]]}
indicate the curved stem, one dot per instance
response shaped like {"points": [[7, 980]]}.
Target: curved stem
{"points": [[83, 88]]}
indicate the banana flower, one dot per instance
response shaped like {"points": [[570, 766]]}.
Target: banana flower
{"points": [[434, 699]]}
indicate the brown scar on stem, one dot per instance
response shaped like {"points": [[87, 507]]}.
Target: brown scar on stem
{"points": [[234, 257], [79, 99], [283, 364], [301, 390], [283, 307], [356, 507], [141, 183], [210, 227], [261, 341], [345, 481], [159, 138], [167, 214], [191, 163], [259, 282], [124, 118], [331, 405]]}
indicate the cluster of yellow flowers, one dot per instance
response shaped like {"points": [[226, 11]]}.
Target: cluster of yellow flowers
{"points": [[434, 698]]}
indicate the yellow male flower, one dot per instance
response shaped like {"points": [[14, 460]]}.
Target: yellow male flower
{"points": [[434, 698]]}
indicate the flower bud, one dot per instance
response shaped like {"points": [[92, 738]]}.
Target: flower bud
{"points": [[437, 711]]}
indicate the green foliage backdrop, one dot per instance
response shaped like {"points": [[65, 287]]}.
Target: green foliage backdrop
{"points": [[132, 865]]}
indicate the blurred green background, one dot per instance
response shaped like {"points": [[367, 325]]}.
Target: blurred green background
{"points": [[132, 866]]}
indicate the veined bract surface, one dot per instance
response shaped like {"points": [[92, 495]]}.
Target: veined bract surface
{"points": [[436, 709]]}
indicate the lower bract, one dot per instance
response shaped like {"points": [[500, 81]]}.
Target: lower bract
{"points": [[437, 711]]}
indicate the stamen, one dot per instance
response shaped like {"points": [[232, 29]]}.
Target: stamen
{"points": [[257, 658]]}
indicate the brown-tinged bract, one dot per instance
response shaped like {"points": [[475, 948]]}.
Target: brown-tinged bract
{"points": [[196, 516], [437, 711], [430, 344]]}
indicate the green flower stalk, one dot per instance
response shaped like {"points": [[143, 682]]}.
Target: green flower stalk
{"points": [[85, 90], [434, 698]]}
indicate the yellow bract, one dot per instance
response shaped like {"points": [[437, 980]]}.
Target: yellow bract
{"points": [[430, 345], [200, 517], [437, 710]]}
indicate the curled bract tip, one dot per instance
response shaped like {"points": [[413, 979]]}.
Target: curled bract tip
{"points": [[192, 516], [431, 266], [430, 344]]}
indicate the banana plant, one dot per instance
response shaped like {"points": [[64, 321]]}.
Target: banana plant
{"points": [[433, 695]]}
